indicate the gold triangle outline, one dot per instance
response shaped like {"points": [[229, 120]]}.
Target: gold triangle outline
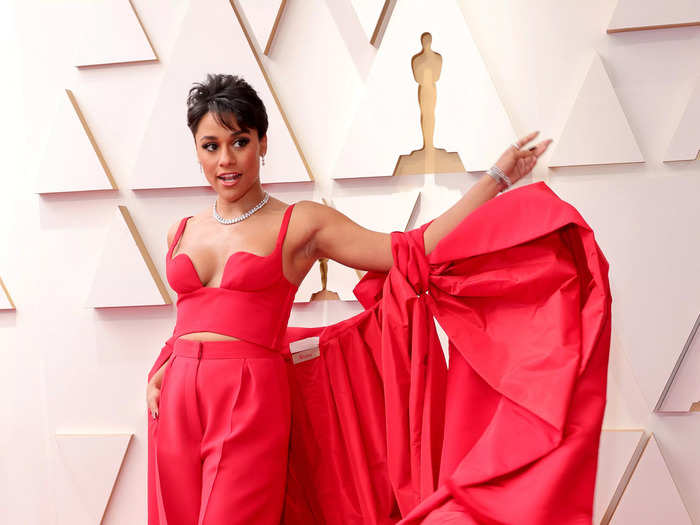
{"points": [[144, 254], [627, 474], [7, 294], [145, 61], [91, 138], [382, 23], [246, 33], [121, 462], [273, 31], [694, 406]]}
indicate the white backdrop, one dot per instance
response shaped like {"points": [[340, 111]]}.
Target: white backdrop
{"points": [[71, 369]]}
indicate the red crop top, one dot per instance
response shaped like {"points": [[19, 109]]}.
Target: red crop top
{"points": [[252, 303]]}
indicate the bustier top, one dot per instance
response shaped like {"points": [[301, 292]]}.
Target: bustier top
{"points": [[253, 301]]}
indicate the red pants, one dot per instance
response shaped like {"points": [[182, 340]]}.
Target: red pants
{"points": [[222, 434]]}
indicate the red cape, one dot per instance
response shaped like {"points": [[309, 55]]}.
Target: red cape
{"points": [[382, 431]]}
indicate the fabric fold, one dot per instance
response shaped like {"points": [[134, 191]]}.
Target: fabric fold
{"points": [[520, 288], [383, 431]]}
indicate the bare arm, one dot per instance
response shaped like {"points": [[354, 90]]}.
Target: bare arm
{"points": [[339, 238], [157, 377], [343, 240], [153, 386], [486, 188]]}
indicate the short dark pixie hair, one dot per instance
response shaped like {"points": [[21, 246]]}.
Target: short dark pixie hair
{"points": [[226, 94]]}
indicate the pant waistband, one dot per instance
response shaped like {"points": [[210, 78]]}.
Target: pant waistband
{"points": [[222, 349]]}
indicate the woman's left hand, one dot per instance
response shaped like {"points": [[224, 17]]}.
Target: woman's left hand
{"points": [[516, 163]]}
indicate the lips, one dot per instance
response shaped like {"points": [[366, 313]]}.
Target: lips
{"points": [[228, 176]]}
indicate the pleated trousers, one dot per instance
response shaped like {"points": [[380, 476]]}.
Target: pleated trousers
{"points": [[222, 434]]}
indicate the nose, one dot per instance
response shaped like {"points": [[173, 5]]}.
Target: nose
{"points": [[227, 157]]}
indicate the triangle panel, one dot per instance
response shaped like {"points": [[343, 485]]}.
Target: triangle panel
{"points": [[466, 97], [72, 161], [91, 464], [682, 390], [263, 19], [370, 13], [109, 32], [618, 455], [596, 131], [167, 158], [651, 496], [125, 274], [685, 144], [636, 15]]}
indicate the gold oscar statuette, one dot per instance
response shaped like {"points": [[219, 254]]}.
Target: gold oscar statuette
{"points": [[426, 71]]}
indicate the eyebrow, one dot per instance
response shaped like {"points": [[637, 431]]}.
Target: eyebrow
{"points": [[212, 137]]}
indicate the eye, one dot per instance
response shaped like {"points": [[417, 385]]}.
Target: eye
{"points": [[240, 143]]}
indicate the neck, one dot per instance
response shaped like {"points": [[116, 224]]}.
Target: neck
{"points": [[228, 209]]}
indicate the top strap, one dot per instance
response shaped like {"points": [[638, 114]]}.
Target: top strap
{"points": [[178, 234], [280, 236], [283, 227]]}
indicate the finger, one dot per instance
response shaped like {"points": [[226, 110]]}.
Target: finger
{"points": [[527, 138], [538, 148], [541, 147]]}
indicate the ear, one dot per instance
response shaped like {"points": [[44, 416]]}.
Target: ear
{"points": [[263, 145]]}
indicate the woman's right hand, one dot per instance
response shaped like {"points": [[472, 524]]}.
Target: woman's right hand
{"points": [[153, 397], [153, 389]]}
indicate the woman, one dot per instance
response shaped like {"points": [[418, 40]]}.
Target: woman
{"points": [[223, 410]]}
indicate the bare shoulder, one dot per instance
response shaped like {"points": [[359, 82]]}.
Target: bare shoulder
{"points": [[172, 230], [312, 213], [306, 220], [310, 217], [191, 223], [326, 232], [316, 218], [320, 218]]}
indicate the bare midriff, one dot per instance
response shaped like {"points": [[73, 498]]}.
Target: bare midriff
{"points": [[208, 336]]}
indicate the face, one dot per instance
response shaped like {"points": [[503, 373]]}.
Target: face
{"points": [[222, 151]]}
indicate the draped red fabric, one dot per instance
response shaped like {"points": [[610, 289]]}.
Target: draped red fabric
{"points": [[383, 431]]}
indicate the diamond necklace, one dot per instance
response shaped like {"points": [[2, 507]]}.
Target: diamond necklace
{"points": [[245, 215]]}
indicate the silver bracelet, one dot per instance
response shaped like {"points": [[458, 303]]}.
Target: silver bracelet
{"points": [[499, 176]]}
